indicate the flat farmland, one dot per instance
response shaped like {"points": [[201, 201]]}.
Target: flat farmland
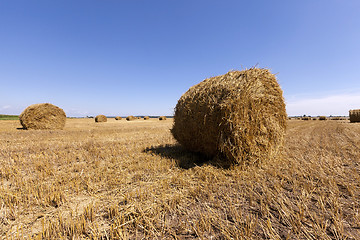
{"points": [[130, 180]]}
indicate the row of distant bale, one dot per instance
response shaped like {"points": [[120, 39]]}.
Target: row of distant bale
{"points": [[321, 118], [354, 116], [48, 116], [103, 118]]}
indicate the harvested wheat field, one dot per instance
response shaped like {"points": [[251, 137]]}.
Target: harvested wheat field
{"points": [[131, 180]]}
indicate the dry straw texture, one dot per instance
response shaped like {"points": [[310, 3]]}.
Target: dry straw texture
{"points": [[238, 117], [322, 118], [354, 115], [43, 116], [162, 118], [130, 118], [100, 118], [118, 118], [146, 118]]}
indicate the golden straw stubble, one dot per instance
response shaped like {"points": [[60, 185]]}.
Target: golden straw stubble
{"points": [[239, 117]]}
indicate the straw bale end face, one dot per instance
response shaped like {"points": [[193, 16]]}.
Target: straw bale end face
{"points": [[100, 118], [238, 117], [118, 118], [162, 118], [43, 116]]}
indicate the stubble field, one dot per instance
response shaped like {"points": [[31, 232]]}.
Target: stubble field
{"points": [[130, 180]]}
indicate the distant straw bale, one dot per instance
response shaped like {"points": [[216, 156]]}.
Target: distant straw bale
{"points": [[354, 115], [118, 118], [146, 118], [322, 118], [238, 118], [314, 118], [306, 118], [43, 116], [130, 118], [100, 118], [162, 118]]}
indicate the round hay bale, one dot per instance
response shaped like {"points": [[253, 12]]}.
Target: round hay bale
{"points": [[162, 118], [322, 118], [100, 118], [354, 115], [43, 116], [306, 118], [146, 118], [130, 118], [239, 117], [118, 118]]}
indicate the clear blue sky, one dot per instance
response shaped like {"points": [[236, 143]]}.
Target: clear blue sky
{"points": [[138, 57]]}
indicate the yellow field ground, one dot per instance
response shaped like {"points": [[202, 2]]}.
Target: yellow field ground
{"points": [[129, 180]]}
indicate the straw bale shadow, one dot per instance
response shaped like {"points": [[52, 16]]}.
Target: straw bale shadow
{"points": [[183, 158]]}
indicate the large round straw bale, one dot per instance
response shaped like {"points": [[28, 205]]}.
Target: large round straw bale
{"points": [[118, 118], [43, 116], [146, 118], [322, 118], [100, 118], [306, 118], [130, 118], [238, 117], [162, 118], [354, 115]]}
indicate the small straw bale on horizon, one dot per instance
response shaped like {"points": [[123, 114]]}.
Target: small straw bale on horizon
{"points": [[100, 118], [354, 115], [130, 118]]}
